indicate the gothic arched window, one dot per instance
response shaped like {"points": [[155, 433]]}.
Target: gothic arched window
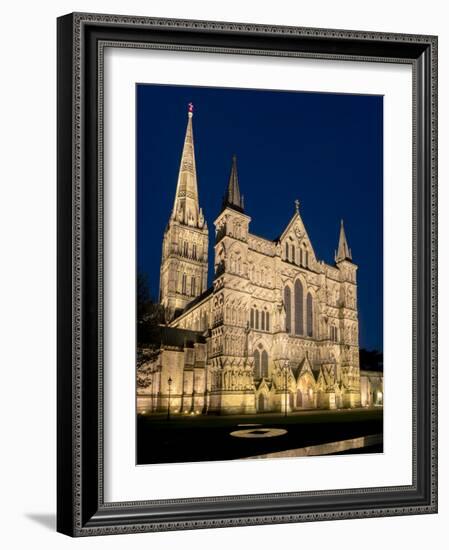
{"points": [[299, 314], [267, 321], [251, 318], [288, 309], [262, 320], [186, 249], [193, 287], [293, 253], [257, 373], [194, 251], [264, 364], [334, 333], [257, 319], [184, 283], [286, 251], [309, 315]]}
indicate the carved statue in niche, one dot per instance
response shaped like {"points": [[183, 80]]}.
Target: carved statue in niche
{"points": [[250, 345], [336, 296], [227, 379], [281, 315], [350, 297], [218, 379], [233, 379]]}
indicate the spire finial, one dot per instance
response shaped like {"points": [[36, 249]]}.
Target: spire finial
{"points": [[297, 205], [191, 107]]}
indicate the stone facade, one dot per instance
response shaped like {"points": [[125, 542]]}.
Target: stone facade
{"points": [[371, 388], [276, 331]]}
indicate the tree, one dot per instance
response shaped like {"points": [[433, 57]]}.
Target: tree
{"points": [[148, 311], [150, 315]]}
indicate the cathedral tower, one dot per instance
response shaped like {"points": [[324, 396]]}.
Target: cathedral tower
{"points": [[183, 274], [233, 392], [349, 324]]}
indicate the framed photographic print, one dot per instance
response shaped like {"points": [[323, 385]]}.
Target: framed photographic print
{"points": [[246, 274]]}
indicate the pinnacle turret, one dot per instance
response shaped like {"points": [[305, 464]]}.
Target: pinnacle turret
{"points": [[233, 198], [343, 252]]}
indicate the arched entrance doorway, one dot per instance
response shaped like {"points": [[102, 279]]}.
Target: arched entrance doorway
{"points": [[305, 392], [262, 403]]}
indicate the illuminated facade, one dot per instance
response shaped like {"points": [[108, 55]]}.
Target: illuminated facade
{"points": [[278, 328]]}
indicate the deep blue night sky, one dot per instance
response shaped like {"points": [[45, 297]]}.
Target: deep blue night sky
{"points": [[324, 149]]}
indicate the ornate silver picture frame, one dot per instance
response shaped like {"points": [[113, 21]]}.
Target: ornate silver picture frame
{"points": [[81, 508]]}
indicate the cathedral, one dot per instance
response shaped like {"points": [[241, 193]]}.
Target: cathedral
{"points": [[277, 330]]}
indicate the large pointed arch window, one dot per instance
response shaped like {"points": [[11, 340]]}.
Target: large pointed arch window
{"points": [[305, 256], [299, 304], [309, 315], [260, 363], [288, 309], [264, 364], [257, 373]]}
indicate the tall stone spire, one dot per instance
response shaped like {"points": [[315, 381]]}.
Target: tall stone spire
{"points": [[232, 197], [343, 252], [183, 274], [186, 206]]}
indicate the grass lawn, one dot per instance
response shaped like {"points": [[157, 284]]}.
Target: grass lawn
{"points": [[199, 438]]}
